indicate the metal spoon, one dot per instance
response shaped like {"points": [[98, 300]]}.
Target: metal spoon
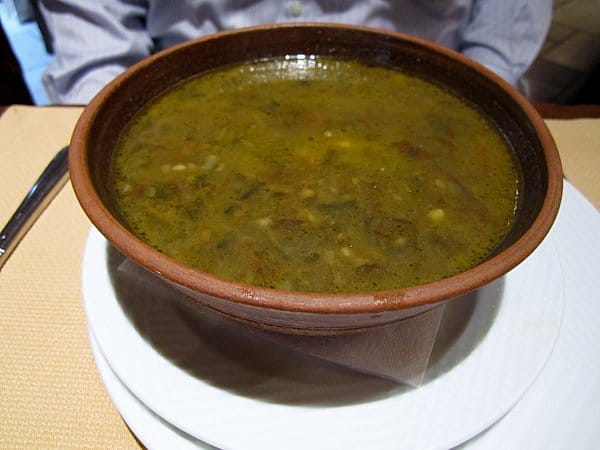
{"points": [[50, 182]]}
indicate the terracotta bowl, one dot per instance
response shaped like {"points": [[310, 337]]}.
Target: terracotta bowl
{"points": [[105, 117]]}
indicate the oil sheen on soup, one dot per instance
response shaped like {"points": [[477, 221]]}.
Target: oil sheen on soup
{"points": [[315, 174]]}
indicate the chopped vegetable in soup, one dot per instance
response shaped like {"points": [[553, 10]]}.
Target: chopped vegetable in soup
{"points": [[315, 174]]}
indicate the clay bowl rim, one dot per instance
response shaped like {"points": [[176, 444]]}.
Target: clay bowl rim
{"points": [[311, 302]]}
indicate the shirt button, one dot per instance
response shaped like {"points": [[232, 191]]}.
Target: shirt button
{"points": [[295, 8]]}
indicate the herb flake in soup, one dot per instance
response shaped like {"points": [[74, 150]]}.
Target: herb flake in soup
{"points": [[316, 174]]}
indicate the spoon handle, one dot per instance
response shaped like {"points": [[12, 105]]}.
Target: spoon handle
{"points": [[50, 182]]}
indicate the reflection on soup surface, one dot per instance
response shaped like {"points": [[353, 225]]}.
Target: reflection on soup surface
{"points": [[314, 174]]}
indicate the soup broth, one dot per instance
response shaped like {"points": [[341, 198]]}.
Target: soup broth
{"points": [[316, 174]]}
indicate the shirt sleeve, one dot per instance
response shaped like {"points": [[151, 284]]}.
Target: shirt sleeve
{"points": [[506, 36], [93, 42]]}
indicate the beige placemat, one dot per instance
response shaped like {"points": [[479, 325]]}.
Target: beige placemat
{"points": [[51, 395], [578, 142]]}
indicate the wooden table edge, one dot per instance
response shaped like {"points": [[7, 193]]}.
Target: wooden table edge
{"points": [[546, 110]]}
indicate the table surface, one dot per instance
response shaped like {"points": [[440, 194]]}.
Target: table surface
{"points": [[52, 395]]}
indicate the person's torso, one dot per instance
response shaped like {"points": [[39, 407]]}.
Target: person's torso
{"points": [[435, 20]]}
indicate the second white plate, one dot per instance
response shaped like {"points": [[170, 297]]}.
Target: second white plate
{"points": [[204, 378]]}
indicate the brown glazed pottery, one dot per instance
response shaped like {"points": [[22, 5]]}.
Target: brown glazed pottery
{"points": [[104, 118]]}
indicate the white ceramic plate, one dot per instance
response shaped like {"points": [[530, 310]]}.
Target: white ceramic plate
{"points": [[147, 426], [560, 410], [211, 384]]}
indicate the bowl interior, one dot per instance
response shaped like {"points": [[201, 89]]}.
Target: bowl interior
{"points": [[104, 119]]}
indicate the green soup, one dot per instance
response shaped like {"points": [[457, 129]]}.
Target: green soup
{"points": [[314, 174]]}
